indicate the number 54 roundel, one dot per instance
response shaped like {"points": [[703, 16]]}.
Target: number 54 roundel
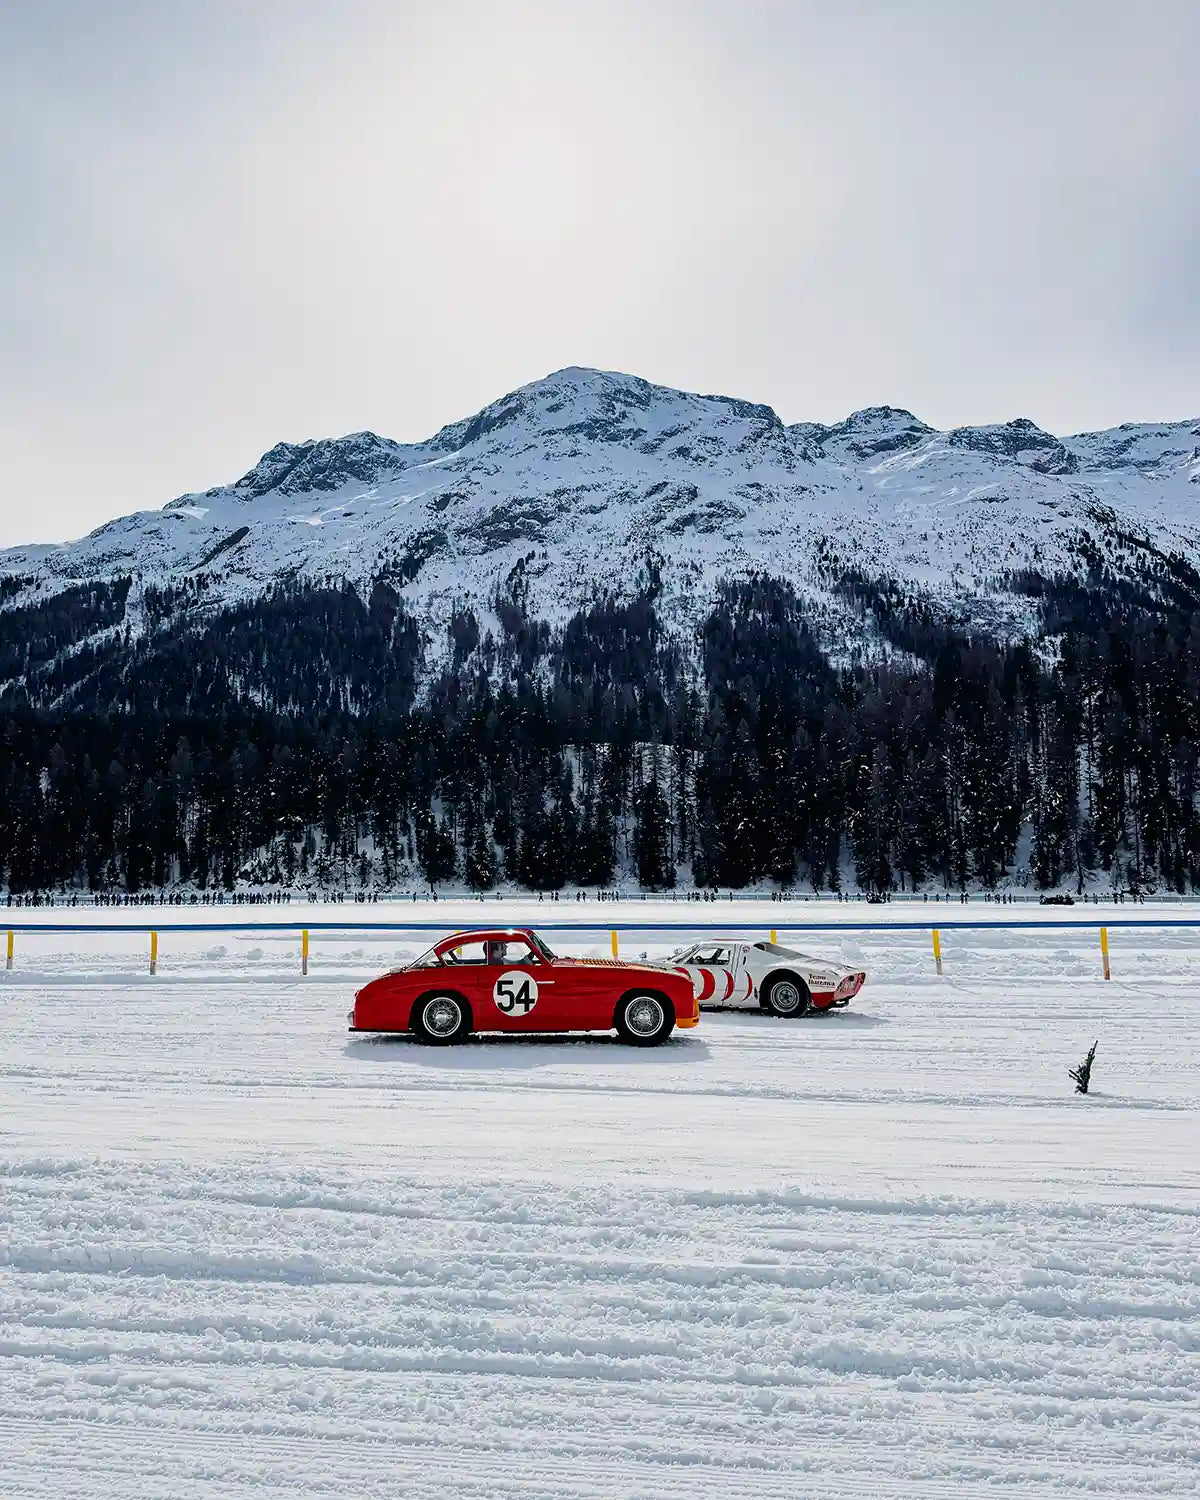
{"points": [[508, 979], [515, 993]]}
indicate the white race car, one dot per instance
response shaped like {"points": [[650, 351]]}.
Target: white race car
{"points": [[729, 971]]}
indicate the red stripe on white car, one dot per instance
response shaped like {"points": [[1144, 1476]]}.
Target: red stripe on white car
{"points": [[708, 984]]}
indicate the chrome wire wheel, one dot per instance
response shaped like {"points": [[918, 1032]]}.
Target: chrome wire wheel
{"points": [[644, 1016], [441, 1017]]}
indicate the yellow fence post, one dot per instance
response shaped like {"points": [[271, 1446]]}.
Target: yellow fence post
{"points": [[937, 950], [614, 942], [1104, 950], [304, 950], [154, 953], [8, 963], [772, 934]]}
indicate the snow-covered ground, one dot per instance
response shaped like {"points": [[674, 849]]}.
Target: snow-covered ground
{"points": [[883, 1252]]}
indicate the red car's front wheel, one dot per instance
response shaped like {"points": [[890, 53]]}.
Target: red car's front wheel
{"points": [[644, 1020], [440, 1020]]}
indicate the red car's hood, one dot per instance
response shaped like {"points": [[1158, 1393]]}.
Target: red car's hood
{"points": [[617, 963]]}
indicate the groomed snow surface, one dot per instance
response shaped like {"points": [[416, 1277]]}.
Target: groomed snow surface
{"points": [[882, 1252]]}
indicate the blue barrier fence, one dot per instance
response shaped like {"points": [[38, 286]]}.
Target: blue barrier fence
{"points": [[303, 929], [775, 924]]}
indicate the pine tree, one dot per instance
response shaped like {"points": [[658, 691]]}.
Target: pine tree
{"points": [[479, 863], [652, 838], [436, 852]]}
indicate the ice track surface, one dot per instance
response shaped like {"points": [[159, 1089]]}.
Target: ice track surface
{"points": [[884, 1252]]}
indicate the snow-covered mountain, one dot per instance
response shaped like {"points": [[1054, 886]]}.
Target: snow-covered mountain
{"points": [[603, 624], [577, 480]]}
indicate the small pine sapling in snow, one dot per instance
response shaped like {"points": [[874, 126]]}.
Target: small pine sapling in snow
{"points": [[1083, 1073]]}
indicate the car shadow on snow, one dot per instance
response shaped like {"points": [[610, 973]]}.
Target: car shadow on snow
{"points": [[513, 1050], [859, 1020]]}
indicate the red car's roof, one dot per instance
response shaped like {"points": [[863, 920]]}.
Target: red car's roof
{"points": [[483, 934]]}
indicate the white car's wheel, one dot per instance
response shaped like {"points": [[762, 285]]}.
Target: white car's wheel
{"points": [[785, 995]]}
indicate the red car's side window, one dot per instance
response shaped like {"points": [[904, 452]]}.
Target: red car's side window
{"points": [[474, 952], [514, 951]]}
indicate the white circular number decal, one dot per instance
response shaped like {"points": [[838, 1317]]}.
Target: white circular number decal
{"points": [[515, 993]]}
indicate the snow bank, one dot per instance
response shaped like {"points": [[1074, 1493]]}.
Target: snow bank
{"points": [[883, 1252]]}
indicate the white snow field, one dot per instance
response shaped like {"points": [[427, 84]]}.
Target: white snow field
{"points": [[884, 1252]]}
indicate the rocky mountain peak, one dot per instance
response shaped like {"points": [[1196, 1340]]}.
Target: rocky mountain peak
{"points": [[1020, 440], [599, 406], [321, 464], [872, 432], [1147, 447]]}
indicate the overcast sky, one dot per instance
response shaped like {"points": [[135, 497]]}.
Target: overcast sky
{"points": [[226, 224]]}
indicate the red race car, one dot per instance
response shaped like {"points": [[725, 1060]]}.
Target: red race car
{"points": [[507, 979]]}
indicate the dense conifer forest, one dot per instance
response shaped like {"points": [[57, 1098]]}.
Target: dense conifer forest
{"points": [[317, 737]]}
